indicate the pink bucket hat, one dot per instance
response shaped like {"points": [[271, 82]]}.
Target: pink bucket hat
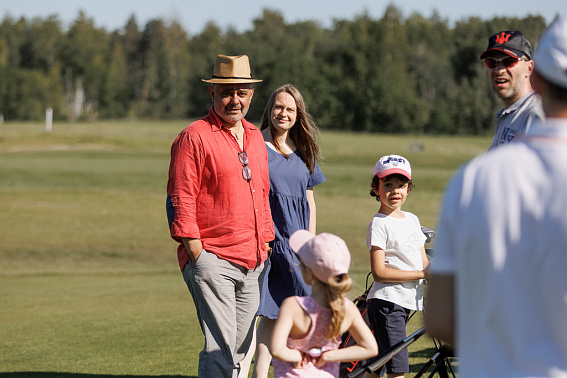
{"points": [[391, 164], [326, 254]]}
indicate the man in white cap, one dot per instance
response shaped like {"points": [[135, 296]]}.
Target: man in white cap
{"points": [[509, 67], [498, 290], [219, 212]]}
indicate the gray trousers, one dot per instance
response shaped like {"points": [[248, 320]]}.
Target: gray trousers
{"points": [[226, 297]]}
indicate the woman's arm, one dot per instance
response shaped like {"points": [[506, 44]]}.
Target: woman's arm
{"points": [[312, 211], [381, 273]]}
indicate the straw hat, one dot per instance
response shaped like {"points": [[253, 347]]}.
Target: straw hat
{"points": [[231, 70]]}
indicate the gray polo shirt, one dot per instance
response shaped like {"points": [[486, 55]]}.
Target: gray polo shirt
{"points": [[517, 119]]}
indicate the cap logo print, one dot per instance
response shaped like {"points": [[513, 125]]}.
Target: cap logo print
{"points": [[393, 160], [503, 37]]}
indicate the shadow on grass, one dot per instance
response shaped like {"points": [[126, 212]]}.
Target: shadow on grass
{"points": [[44, 374], [426, 353]]}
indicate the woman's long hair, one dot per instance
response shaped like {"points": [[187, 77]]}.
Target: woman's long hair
{"points": [[304, 131]]}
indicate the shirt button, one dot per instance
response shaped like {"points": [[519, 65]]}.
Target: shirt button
{"points": [[253, 190]]}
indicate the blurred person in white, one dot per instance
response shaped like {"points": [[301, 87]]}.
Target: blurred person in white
{"points": [[498, 290]]}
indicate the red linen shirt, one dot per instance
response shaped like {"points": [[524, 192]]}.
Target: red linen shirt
{"points": [[212, 201]]}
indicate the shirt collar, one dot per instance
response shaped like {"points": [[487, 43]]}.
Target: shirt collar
{"points": [[516, 104]]}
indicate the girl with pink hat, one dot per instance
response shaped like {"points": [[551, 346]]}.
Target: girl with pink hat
{"points": [[307, 333]]}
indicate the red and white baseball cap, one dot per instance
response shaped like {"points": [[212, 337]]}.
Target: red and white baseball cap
{"points": [[326, 254], [391, 164]]}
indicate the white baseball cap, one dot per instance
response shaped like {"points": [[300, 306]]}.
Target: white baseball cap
{"points": [[551, 54], [326, 254], [391, 164]]}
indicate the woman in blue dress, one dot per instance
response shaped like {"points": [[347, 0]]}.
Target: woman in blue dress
{"points": [[290, 136]]}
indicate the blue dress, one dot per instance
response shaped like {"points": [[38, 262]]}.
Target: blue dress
{"points": [[289, 180]]}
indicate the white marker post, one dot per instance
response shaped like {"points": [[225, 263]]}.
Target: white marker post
{"points": [[48, 119]]}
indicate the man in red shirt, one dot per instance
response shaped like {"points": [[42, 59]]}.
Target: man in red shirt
{"points": [[220, 213]]}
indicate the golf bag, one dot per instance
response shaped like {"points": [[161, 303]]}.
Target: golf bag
{"points": [[348, 340]]}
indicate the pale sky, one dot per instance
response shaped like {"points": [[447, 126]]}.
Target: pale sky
{"points": [[194, 14]]}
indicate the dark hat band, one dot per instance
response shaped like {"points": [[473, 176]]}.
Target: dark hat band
{"points": [[231, 77]]}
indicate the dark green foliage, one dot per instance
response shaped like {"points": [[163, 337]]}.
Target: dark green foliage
{"points": [[393, 74]]}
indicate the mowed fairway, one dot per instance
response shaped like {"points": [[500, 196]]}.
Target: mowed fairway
{"points": [[89, 282]]}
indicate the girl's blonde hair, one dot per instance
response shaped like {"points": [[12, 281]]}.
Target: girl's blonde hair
{"points": [[335, 295], [334, 292]]}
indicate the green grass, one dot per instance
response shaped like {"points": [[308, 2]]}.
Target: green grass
{"points": [[89, 282]]}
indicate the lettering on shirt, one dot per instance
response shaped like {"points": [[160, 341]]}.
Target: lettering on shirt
{"points": [[507, 136]]}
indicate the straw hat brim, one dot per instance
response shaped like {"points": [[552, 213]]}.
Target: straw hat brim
{"points": [[231, 81]]}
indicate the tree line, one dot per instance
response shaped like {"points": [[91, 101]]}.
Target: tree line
{"points": [[393, 74]]}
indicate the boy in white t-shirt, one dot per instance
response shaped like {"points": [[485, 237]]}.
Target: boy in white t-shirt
{"points": [[397, 260]]}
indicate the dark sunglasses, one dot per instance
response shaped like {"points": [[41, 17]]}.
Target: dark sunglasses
{"points": [[246, 171], [507, 62]]}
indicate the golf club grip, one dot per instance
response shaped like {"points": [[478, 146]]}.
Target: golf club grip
{"points": [[388, 354]]}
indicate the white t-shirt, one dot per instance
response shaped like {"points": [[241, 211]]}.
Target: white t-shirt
{"points": [[401, 239], [503, 235]]}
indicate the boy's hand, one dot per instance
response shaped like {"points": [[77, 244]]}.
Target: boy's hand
{"points": [[427, 272]]}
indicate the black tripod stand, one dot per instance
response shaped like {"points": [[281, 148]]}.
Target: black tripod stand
{"points": [[438, 363]]}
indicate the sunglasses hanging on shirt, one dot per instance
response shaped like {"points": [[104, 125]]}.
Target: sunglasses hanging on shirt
{"points": [[246, 171]]}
